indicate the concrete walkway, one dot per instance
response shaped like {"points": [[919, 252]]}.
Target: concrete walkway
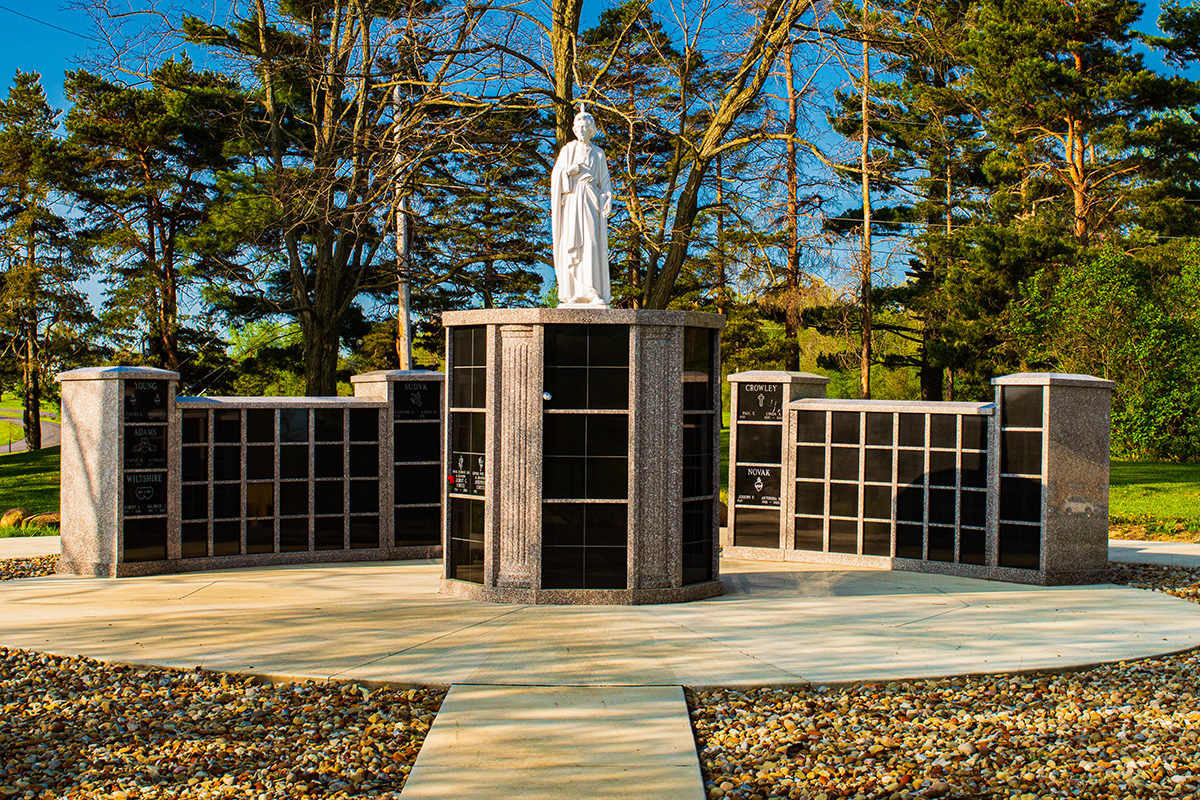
{"points": [[1178, 554], [778, 624], [585, 743], [29, 546]]}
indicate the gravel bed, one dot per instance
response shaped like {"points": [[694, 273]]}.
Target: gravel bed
{"points": [[78, 728], [1120, 730], [36, 567], [1181, 582], [74, 727]]}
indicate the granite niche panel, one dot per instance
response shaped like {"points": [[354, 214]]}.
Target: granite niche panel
{"points": [[208, 482], [1011, 490]]}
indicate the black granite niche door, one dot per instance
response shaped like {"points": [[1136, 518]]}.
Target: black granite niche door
{"points": [[417, 467], [467, 361], [585, 456], [700, 416], [1021, 476], [143, 466]]}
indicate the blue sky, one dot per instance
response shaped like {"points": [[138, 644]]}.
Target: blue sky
{"points": [[28, 45], [36, 45]]}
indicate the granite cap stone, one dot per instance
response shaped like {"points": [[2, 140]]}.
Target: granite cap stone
{"points": [[776, 376], [1053, 379], [582, 316], [903, 406], [117, 373], [280, 402], [398, 375]]}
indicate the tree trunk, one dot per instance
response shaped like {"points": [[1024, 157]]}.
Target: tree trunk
{"points": [[865, 288], [931, 376], [722, 269], [403, 246], [791, 324], [404, 300], [564, 17], [170, 318], [489, 281], [32, 416], [321, 344]]}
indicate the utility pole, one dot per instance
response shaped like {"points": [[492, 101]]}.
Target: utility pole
{"points": [[865, 259], [404, 313]]}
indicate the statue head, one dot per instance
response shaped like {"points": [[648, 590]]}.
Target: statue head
{"points": [[585, 125]]}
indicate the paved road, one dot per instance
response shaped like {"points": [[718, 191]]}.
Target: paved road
{"points": [[51, 432]]}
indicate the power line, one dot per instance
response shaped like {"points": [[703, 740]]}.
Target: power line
{"points": [[42, 22]]}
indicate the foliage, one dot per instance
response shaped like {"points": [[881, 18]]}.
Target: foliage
{"points": [[143, 165], [44, 319], [344, 105], [1131, 318], [480, 241]]}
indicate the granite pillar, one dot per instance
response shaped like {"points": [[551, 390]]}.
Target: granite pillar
{"points": [[758, 460], [413, 529], [1053, 477], [118, 461]]}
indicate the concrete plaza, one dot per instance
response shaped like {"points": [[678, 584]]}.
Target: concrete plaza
{"points": [[777, 624]]}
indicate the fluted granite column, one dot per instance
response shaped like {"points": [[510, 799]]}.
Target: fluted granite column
{"points": [[518, 465], [655, 482]]}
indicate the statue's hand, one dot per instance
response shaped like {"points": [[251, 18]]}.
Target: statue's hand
{"points": [[574, 169]]}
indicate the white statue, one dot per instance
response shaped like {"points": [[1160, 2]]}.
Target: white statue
{"points": [[581, 200]]}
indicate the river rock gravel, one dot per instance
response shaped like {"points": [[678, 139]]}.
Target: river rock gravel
{"points": [[13, 568], [1127, 730], [78, 728]]}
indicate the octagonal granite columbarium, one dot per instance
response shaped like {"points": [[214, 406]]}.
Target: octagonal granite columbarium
{"points": [[582, 455]]}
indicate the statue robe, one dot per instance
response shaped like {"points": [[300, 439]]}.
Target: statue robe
{"points": [[580, 227]]}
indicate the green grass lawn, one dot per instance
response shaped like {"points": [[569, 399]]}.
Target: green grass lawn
{"points": [[10, 432], [1154, 500], [30, 480], [13, 403]]}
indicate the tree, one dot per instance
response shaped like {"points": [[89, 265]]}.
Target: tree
{"points": [[330, 144], [1132, 318], [928, 154], [480, 236], [41, 311], [728, 104], [1077, 119], [628, 64], [143, 167]]}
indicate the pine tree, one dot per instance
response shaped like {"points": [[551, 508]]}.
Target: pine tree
{"points": [[144, 164], [481, 238], [1080, 125], [43, 316]]}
